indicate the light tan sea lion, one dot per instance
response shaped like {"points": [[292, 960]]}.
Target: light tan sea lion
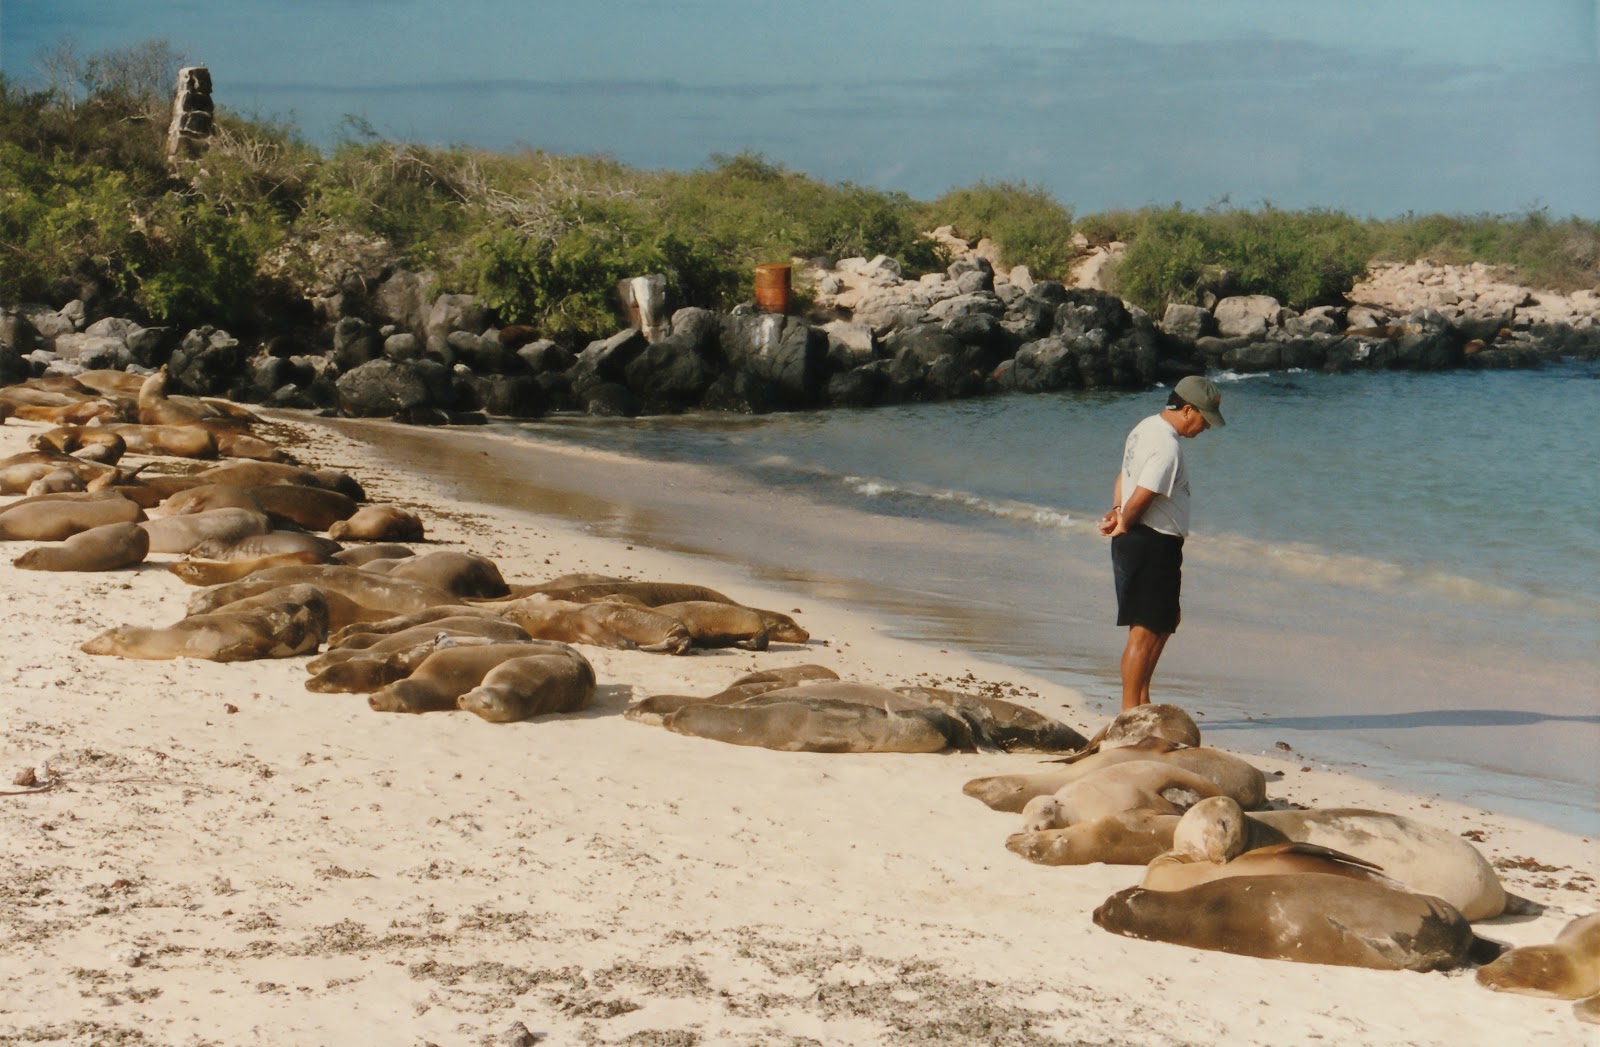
{"points": [[179, 441], [1176, 871], [1423, 858], [179, 534], [1231, 775], [58, 482], [1304, 917], [156, 409], [653, 709], [250, 473], [465, 574], [106, 381], [361, 555], [1156, 720], [19, 471], [1566, 969], [301, 505], [1128, 838], [80, 412], [365, 634], [55, 521], [109, 547], [235, 443], [378, 523], [561, 681], [204, 497], [998, 724], [296, 621], [379, 595], [255, 546], [219, 572], [1147, 784], [713, 624], [91, 442], [840, 717], [448, 673], [151, 491]]}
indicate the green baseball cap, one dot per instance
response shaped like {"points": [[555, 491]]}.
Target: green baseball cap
{"points": [[1201, 394]]}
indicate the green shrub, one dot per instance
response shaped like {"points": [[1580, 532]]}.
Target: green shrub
{"points": [[1025, 221]]}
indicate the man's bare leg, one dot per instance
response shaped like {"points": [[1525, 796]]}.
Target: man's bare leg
{"points": [[1139, 659]]}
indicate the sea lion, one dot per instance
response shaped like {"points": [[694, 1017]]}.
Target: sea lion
{"points": [[255, 546], [650, 594], [378, 523], [829, 717], [57, 520], [107, 381], [448, 673], [219, 572], [109, 547], [156, 409], [151, 491], [713, 623], [496, 629], [1177, 871], [1304, 917], [365, 634], [367, 671], [285, 623], [91, 442], [204, 497], [60, 481], [600, 624], [235, 443], [1153, 720], [19, 471], [561, 681], [1231, 775], [301, 505], [251, 473], [1148, 784], [1002, 725], [1423, 858], [652, 709], [467, 575], [1566, 969], [178, 441], [378, 596], [361, 555], [1134, 837], [179, 534]]}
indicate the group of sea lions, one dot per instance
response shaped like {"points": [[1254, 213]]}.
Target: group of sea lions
{"points": [[1341, 886], [269, 543]]}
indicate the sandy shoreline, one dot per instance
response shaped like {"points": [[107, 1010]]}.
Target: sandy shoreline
{"points": [[303, 870]]}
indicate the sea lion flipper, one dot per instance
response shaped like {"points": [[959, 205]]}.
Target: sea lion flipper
{"points": [[1313, 849]]}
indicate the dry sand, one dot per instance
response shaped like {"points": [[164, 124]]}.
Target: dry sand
{"points": [[227, 858]]}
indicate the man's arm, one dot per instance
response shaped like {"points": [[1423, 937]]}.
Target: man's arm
{"points": [[1121, 521]]}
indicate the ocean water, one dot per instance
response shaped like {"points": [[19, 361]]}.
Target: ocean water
{"points": [[1393, 573]]}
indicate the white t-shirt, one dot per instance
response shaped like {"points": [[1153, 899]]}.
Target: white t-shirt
{"points": [[1152, 458]]}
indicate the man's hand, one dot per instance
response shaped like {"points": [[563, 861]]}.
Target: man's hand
{"points": [[1109, 523]]}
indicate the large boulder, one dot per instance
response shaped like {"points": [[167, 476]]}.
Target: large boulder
{"points": [[779, 362], [384, 388], [1247, 316], [1188, 323], [670, 374], [206, 363], [402, 298]]}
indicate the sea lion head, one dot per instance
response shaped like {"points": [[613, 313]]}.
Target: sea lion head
{"points": [[1213, 830]]}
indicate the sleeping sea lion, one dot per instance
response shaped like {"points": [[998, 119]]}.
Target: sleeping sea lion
{"points": [[378, 523], [1132, 785], [286, 623], [180, 534], [109, 547], [1134, 837], [448, 673], [57, 520], [1566, 969], [561, 681], [467, 575], [1231, 775], [251, 473]]}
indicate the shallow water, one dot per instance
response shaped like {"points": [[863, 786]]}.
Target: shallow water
{"points": [[1396, 573]]}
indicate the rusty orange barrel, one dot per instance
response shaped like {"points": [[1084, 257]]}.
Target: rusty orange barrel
{"points": [[772, 288]]}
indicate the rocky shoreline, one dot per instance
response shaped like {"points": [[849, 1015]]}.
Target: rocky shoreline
{"points": [[383, 344]]}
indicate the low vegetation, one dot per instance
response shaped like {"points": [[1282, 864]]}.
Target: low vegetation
{"points": [[89, 209]]}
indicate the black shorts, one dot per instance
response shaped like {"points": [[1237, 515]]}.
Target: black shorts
{"points": [[1147, 567]]}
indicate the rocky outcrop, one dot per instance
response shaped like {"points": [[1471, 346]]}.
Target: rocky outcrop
{"points": [[379, 341]]}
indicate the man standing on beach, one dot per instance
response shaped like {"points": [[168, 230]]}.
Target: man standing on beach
{"points": [[1147, 523]]}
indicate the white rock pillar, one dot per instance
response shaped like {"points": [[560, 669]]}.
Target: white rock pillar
{"points": [[190, 130]]}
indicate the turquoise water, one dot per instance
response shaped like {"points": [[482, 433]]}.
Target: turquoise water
{"points": [[1397, 571]]}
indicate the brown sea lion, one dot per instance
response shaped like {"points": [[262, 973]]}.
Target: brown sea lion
{"points": [[19, 471], [1566, 969], [1304, 917], [293, 622], [204, 497], [365, 634], [109, 547], [378, 523], [380, 595], [179, 534], [1420, 856], [251, 473], [825, 717], [1129, 838], [600, 624], [1002, 725], [235, 443], [151, 491], [537, 685], [653, 709], [178, 441], [57, 520], [300, 505], [255, 546], [1231, 775], [497, 630], [91, 442], [1148, 784], [448, 673], [106, 381], [361, 555], [467, 575], [156, 409], [650, 594], [363, 675], [218, 572], [58, 482], [1153, 720]]}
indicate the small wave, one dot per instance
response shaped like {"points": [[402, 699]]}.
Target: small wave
{"points": [[996, 508]]}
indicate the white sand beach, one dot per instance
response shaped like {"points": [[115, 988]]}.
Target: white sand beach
{"points": [[224, 857]]}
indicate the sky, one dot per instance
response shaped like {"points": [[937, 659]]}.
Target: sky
{"points": [[1374, 107]]}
